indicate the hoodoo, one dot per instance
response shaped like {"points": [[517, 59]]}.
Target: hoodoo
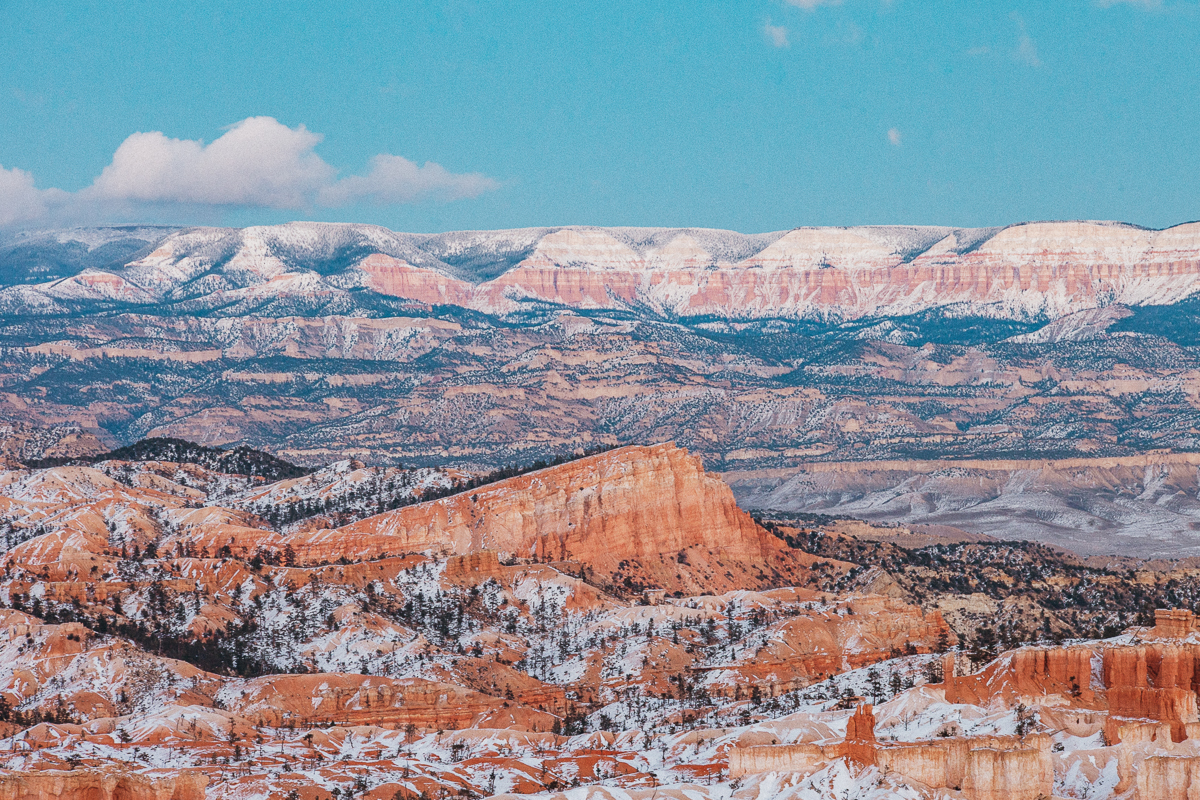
{"points": [[615, 620]]}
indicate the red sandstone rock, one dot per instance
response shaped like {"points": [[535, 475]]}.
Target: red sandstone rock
{"points": [[632, 504], [1168, 778], [860, 735], [97, 785], [1019, 774], [1173, 623], [1028, 672], [861, 725], [348, 699]]}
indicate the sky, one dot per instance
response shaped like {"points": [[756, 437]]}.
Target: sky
{"points": [[752, 115]]}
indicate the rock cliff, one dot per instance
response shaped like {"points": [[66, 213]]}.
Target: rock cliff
{"points": [[99, 785], [651, 514]]}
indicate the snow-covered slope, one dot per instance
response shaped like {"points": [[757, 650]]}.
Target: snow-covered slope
{"points": [[1039, 270]]}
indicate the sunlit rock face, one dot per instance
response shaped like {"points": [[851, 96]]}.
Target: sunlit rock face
{"points": [[632, 504], [610, 626]]}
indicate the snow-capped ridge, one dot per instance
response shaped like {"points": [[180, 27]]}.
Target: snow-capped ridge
{"points": [[1030, 271]]}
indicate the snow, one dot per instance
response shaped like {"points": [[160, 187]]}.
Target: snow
{"points": [[245, 271]]}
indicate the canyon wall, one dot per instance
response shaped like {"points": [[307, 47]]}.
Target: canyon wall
{"points": [[98, 785], [635, 504], [1026, 673], [983, 767], [345, 699], [1168, 778]]}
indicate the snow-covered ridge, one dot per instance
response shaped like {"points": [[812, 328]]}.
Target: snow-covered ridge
{"points": [[1037, 270]]}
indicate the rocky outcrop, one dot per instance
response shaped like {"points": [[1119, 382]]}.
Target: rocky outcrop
{"points": [[345, 699], [929, 765], [98, 785], [1026, 673], [815, 646], [635, 504], [860, 735], [1146, 688], [1168, 778], [984, 768], [1000, 774], [1173, 623], [803, 759], [1154, 681]]}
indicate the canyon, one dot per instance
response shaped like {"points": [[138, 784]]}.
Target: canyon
{"points": [[329, 512], [819, 370], [614, 625]]}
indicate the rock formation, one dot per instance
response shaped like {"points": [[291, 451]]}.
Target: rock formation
{"points": [[615, 622], [356, 700], [1168, 778], [622, 513], [1022, 270], [984, 768], [1154, 681], [1173, 623], [98, 785], [1028, 672]]}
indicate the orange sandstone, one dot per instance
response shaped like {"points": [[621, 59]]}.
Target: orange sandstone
{"points": [[635, 503]]}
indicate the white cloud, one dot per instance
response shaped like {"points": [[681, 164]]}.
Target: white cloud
{"points": [[20, 200], [894, 136], [809, 5], [394, 179], [1026, 51], [257, 163], [777, 35]]}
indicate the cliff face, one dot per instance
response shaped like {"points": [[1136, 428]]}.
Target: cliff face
{"points": [[98, 785], [1053, 268], [341, 699], [1156, 681], [983, 767], [1025, 673], [1168, 778], [621, 512]]}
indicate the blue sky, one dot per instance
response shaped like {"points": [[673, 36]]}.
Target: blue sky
{"points": [[757, 115]]}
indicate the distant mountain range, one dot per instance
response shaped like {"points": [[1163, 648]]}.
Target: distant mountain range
{"points": [[1029, 272], [763, 354]]}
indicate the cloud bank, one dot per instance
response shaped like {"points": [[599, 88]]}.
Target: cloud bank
{"points": [[394, 179], [20, 200], [257, 163]]}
